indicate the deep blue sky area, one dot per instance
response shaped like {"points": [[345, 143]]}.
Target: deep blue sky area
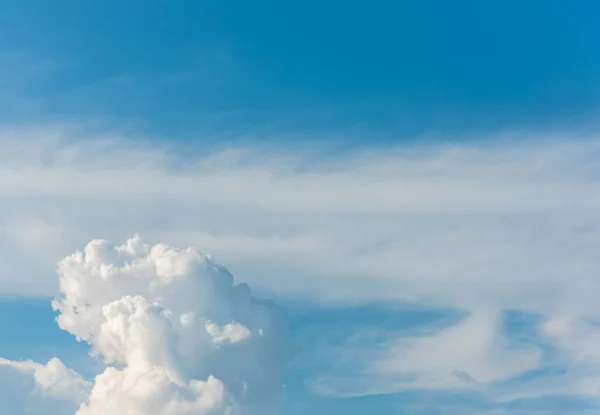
{"points": [[309, 67]]}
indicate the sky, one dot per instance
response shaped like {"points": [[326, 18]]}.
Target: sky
{"points": [[292, 208]]}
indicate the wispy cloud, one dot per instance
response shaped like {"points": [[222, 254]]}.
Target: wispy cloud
{"points": [[508, 225]]}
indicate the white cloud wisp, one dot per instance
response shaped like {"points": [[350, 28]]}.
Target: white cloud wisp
{"points": [[507, 223]]}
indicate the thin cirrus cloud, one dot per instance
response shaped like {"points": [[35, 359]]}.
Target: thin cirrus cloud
{"points": [[507, 225]]}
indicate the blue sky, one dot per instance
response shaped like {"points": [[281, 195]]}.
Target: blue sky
{"points": [[397, 68], [414, 183]]}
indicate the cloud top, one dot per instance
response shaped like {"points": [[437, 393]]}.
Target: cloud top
{"points": [[177, 336]]}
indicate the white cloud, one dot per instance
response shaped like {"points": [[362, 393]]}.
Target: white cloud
{"points": [[53, 379], [132, 304], [471, 354], [509, 224], [50, 389], [231, 332], [473, 348]]}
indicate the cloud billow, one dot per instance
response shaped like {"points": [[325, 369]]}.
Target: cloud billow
{"points": [[178, 337]]}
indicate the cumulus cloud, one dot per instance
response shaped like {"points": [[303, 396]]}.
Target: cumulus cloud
{"points": [[177, 336], [53, 380]]}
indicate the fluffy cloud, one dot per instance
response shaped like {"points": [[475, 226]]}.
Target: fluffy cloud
{"points": [[52, 380], [177, 336]]}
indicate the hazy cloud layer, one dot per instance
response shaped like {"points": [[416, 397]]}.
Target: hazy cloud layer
{"points": [[484, 228]]}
